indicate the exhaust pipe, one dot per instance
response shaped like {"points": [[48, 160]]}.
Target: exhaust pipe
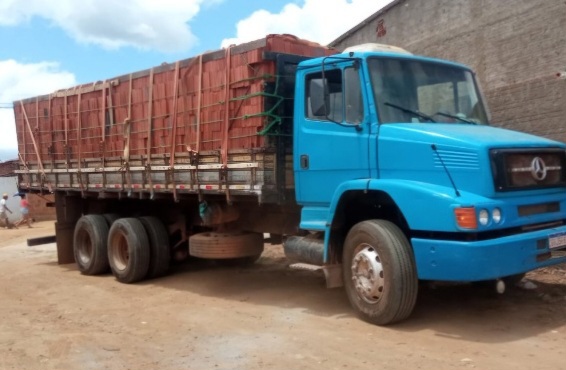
{"points": [[306, 249], [500, 286]]}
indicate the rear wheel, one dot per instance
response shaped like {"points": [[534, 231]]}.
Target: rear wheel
{"points": [[128, 250], [160, 254], [226, 246], [110, 218], [89, 244], [379, 272]]}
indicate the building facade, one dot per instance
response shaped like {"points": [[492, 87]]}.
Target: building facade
{"points": [[517, 48], [38, 203]]}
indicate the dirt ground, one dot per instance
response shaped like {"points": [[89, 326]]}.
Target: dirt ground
{"points": [[268, 316]]}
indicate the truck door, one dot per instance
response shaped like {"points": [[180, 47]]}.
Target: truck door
{"points": [[331, 142]]}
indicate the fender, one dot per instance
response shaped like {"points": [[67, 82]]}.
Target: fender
{"points": [[413, 198]]}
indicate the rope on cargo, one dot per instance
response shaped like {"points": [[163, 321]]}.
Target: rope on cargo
{"points": [[23, 162], [265, 76], [36, 149]]}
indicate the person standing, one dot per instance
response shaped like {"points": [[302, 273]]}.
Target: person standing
{"points": [[3, 209], [24, 209]]}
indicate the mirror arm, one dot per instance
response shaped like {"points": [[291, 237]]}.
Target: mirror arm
{"points": [[326, 94]]}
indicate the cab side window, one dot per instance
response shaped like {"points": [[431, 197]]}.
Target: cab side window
{"points": [[353, 96], [337, 97]]}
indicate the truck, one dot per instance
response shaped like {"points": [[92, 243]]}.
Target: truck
{"points": [[377, 165]]}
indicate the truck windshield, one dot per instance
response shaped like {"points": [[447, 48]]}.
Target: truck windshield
{"points": [[418, 91]]}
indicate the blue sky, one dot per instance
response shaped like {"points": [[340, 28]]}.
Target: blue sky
{"points": [[49, 45]]}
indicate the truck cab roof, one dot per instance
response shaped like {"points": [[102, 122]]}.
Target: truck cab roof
{"points": [[365, 51]]}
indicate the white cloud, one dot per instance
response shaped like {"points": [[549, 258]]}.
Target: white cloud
{"points": [[144, 24], [19, 81], [316, 20]]}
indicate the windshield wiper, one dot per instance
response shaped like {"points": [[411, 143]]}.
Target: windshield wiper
{"points": [[410, 111], [456, 117]]}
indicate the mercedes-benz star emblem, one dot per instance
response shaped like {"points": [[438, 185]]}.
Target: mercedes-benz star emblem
{"points": [[538, 169]]}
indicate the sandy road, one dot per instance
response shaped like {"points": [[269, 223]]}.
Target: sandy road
{"points": [[267, 316]]}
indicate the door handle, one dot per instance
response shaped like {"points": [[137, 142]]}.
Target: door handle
{"points": [[304, 162]]}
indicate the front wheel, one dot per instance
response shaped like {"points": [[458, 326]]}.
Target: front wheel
{"points": [[379, 270]]}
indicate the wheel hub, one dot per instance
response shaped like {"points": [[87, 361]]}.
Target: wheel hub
{"points": [[367, 274]]}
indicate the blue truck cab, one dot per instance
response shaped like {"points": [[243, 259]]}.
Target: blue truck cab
{"points": [[402, 177]]}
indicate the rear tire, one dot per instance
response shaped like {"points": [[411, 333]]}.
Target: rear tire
{"points": [[128, 250], [380, 276], [110, 218], [89, 244], [160, 254]]}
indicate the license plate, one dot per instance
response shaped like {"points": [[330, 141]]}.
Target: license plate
{"points": [[557, 240]]}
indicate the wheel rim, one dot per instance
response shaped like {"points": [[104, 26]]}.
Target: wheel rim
{"points": [[85, 247], [367, 273], [120, 253]]}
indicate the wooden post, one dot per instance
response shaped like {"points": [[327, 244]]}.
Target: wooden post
{"points": [[226, 126], [199, 102], [79, 146], [194, 174], [224, 148], [127, 134], [66, 124], [149, 133], [174, 131], [102, 145]]}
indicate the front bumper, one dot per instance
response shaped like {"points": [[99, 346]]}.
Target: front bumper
{"points": [[446, 260]]}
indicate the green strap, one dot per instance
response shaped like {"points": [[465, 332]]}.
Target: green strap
{"points": [[273, 119]]}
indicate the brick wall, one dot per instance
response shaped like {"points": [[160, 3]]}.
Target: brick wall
{"points": [[38, 209], [516, 47]]}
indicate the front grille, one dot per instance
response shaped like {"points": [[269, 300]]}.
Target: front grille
{"points": [[528, 168], [538, 209]]}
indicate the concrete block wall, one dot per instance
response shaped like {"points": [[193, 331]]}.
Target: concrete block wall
{"points": [[518, 48], [38, 209]]}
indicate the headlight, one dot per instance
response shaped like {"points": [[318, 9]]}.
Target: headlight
{"points": [[483, 217], [496, 215]]}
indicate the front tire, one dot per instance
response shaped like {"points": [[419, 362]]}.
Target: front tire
{"points": [[128, 250], [380, 276]]}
